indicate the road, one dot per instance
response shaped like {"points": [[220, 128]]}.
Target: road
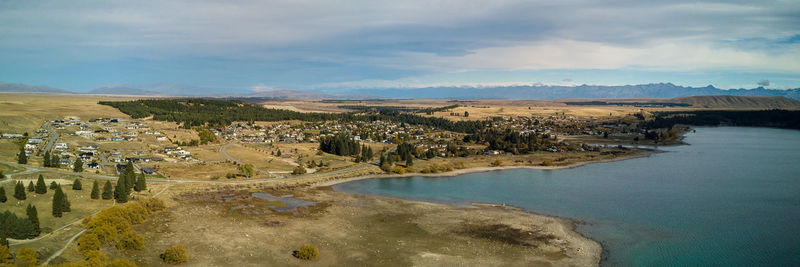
{"points": [[53, 137]]}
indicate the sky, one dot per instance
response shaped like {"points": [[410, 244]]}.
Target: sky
{"points": [[333, 45]]}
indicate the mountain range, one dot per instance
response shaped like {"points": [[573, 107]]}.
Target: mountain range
{"points": [[533, 92], [544, 92]]}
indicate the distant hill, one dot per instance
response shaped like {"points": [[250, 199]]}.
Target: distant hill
{"points": [[121, 91], [534, 92], [749, 102], [288, 94], [303, 95], [545, 92], [24, 88]]}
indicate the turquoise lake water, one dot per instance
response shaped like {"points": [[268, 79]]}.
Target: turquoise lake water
{"points": [[730, 198]]}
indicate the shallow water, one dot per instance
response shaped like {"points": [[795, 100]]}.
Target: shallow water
{"points": [[731, 197]]}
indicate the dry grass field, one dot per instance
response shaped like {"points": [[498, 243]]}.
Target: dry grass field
{"points": [[26, 112], [195, 171], [351, 230], [81, 204]]}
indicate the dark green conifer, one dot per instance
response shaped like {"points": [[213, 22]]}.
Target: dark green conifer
{"points": [[46, 159], [31, 187], [130, 176], [107, 191], [77, 184], [3, 197], [54, 185], [19, 191], [121, 191], [41, 188], [55, 161], [141, 183], [95, 190], [33, 216], [21, 157], [78, 165], [58, 203]]}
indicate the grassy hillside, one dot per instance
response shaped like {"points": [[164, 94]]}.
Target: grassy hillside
{"points": [[745, 102]]}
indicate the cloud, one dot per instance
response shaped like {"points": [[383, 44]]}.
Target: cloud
{"points": [[262, 88], [303, 43], [763, 83]]}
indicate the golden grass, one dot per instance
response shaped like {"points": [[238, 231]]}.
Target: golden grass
{"points": [[27, 112]]}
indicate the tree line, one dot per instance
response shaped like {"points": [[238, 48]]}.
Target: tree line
{"points": [[339, 144], [512, 141], [764, 118], [220, 113]]}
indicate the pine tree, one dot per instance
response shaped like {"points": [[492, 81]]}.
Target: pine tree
{"points": [[66, 206], [46, 159], [19, 191], [33, 216], [141, 183], [95, 190], [41, 188], [58, 203], [409, 162], [21, 157], [130, 176], [121, 192], [54, 161], [78, 165], [77, 184], [3, 197], [31, 187], [107, 191], [54, 185]]}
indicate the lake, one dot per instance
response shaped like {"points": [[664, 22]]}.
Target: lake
{"points": [[729, 198]]}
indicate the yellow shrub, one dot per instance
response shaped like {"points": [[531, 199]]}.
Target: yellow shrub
{"points": [[153, 204], [88, 242], [175, 255], [130, 240], [307, 252], [5, 254], [399, 170], [27, 257]]}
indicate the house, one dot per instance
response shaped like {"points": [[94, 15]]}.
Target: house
{"points": [[148, 170], [86, 155], [10, 136], [121, 168], [161, 138], [61, 146], [93, 165]]}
